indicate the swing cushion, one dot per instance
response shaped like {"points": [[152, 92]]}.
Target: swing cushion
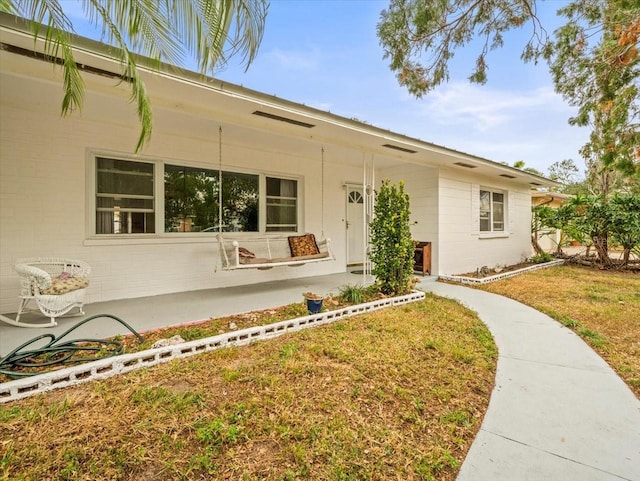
{"points": [[245, 253], [303, 245]]}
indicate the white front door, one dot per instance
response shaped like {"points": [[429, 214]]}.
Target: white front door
{"points": [[355, 225]]}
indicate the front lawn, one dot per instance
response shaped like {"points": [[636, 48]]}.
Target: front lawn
{"points": [[603, 307], [395, 394]]}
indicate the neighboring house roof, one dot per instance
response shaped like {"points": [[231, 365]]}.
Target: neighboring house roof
{"points": [[230, 103], [552, 199]]}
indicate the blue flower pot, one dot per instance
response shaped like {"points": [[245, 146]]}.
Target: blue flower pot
{"points": [[314, 306]]}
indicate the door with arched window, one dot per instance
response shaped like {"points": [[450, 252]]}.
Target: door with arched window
{"points": [[355, 225]]}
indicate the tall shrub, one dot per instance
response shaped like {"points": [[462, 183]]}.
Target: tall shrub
{"points": [[391, 244]]}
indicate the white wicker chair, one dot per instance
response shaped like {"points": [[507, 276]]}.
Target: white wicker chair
{"points": [[56, 285]]}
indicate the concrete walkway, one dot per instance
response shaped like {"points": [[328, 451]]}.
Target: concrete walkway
{"points": [[558, 412]]}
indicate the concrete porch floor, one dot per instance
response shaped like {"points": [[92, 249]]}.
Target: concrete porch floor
{"points": [[146, 313]]}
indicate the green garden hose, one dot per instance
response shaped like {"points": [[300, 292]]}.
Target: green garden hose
{"points": [[23, 362]]}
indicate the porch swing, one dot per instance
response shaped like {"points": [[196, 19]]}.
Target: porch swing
{"points": [[266, 252]]}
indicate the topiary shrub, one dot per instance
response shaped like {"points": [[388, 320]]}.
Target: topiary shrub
{"points": [[391, 244]]}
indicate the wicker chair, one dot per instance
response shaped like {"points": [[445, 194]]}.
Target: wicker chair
{"points": [[56, 285]]}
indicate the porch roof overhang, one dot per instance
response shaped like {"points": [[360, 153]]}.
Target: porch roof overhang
{"points": [[277, 124]]}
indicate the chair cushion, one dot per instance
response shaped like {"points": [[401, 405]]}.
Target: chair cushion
{"points": [[303, 245], [66, 284]]}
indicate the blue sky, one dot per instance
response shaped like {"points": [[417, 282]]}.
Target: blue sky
{"points": [[325, 54]]}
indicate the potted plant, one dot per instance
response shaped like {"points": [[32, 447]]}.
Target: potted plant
{"points": [[314, 302]]}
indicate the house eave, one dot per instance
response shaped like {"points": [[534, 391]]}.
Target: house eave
{"points": [[332, 128]]}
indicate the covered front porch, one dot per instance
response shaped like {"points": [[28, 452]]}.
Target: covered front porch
{"points": [[153, 312]]}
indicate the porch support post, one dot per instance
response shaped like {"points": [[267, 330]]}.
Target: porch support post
{"points": [[368, 192]]}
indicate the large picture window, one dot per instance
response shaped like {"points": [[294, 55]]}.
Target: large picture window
{"points": [[129, 201], [191, 200], [492, 211], [124, 197]]}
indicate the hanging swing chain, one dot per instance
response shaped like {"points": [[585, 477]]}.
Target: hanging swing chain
{"points": [[220, 179], [322, 192]]}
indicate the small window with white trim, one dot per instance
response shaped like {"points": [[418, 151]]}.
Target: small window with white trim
{"points": [[125, 202], [492, 211], [282, 205]]}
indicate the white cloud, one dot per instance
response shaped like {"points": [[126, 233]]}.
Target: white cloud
{"points": [[292, 60], [503, 125], [320, 105], [483, 108]]}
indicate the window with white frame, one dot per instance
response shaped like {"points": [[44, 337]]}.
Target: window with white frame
{"points": [[282, 205], [492, 211], [126, 203]]}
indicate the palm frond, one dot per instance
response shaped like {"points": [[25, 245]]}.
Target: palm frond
{"points": [[130, 73], [8, 6], [222, 28], [143, 25], [57, 44], [162, 30]]}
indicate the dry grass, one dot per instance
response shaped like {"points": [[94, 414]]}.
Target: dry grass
{"points": [[601, 306], [394, 395]]}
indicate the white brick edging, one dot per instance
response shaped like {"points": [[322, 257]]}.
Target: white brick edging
{"points": [[112, 366], [503, 275]]}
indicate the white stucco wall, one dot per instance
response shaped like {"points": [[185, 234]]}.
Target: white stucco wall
{"points": [[461, 247], [549, 241], [43, 193]]}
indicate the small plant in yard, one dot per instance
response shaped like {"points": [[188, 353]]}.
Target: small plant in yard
{"points": [[357, 294], [392, 247], [541, 258]]}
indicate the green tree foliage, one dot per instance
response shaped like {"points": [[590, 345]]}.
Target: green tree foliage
{"points": [[562, 219], [593, 59], [565, 171], [573, 181], [521, 164], [211, 31], [624, 213], [596, 219], [421, 36], [391, 244], [595, 66]]}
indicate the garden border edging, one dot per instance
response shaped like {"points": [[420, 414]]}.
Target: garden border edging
{"points": [[503, 275], [112, 366]]}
